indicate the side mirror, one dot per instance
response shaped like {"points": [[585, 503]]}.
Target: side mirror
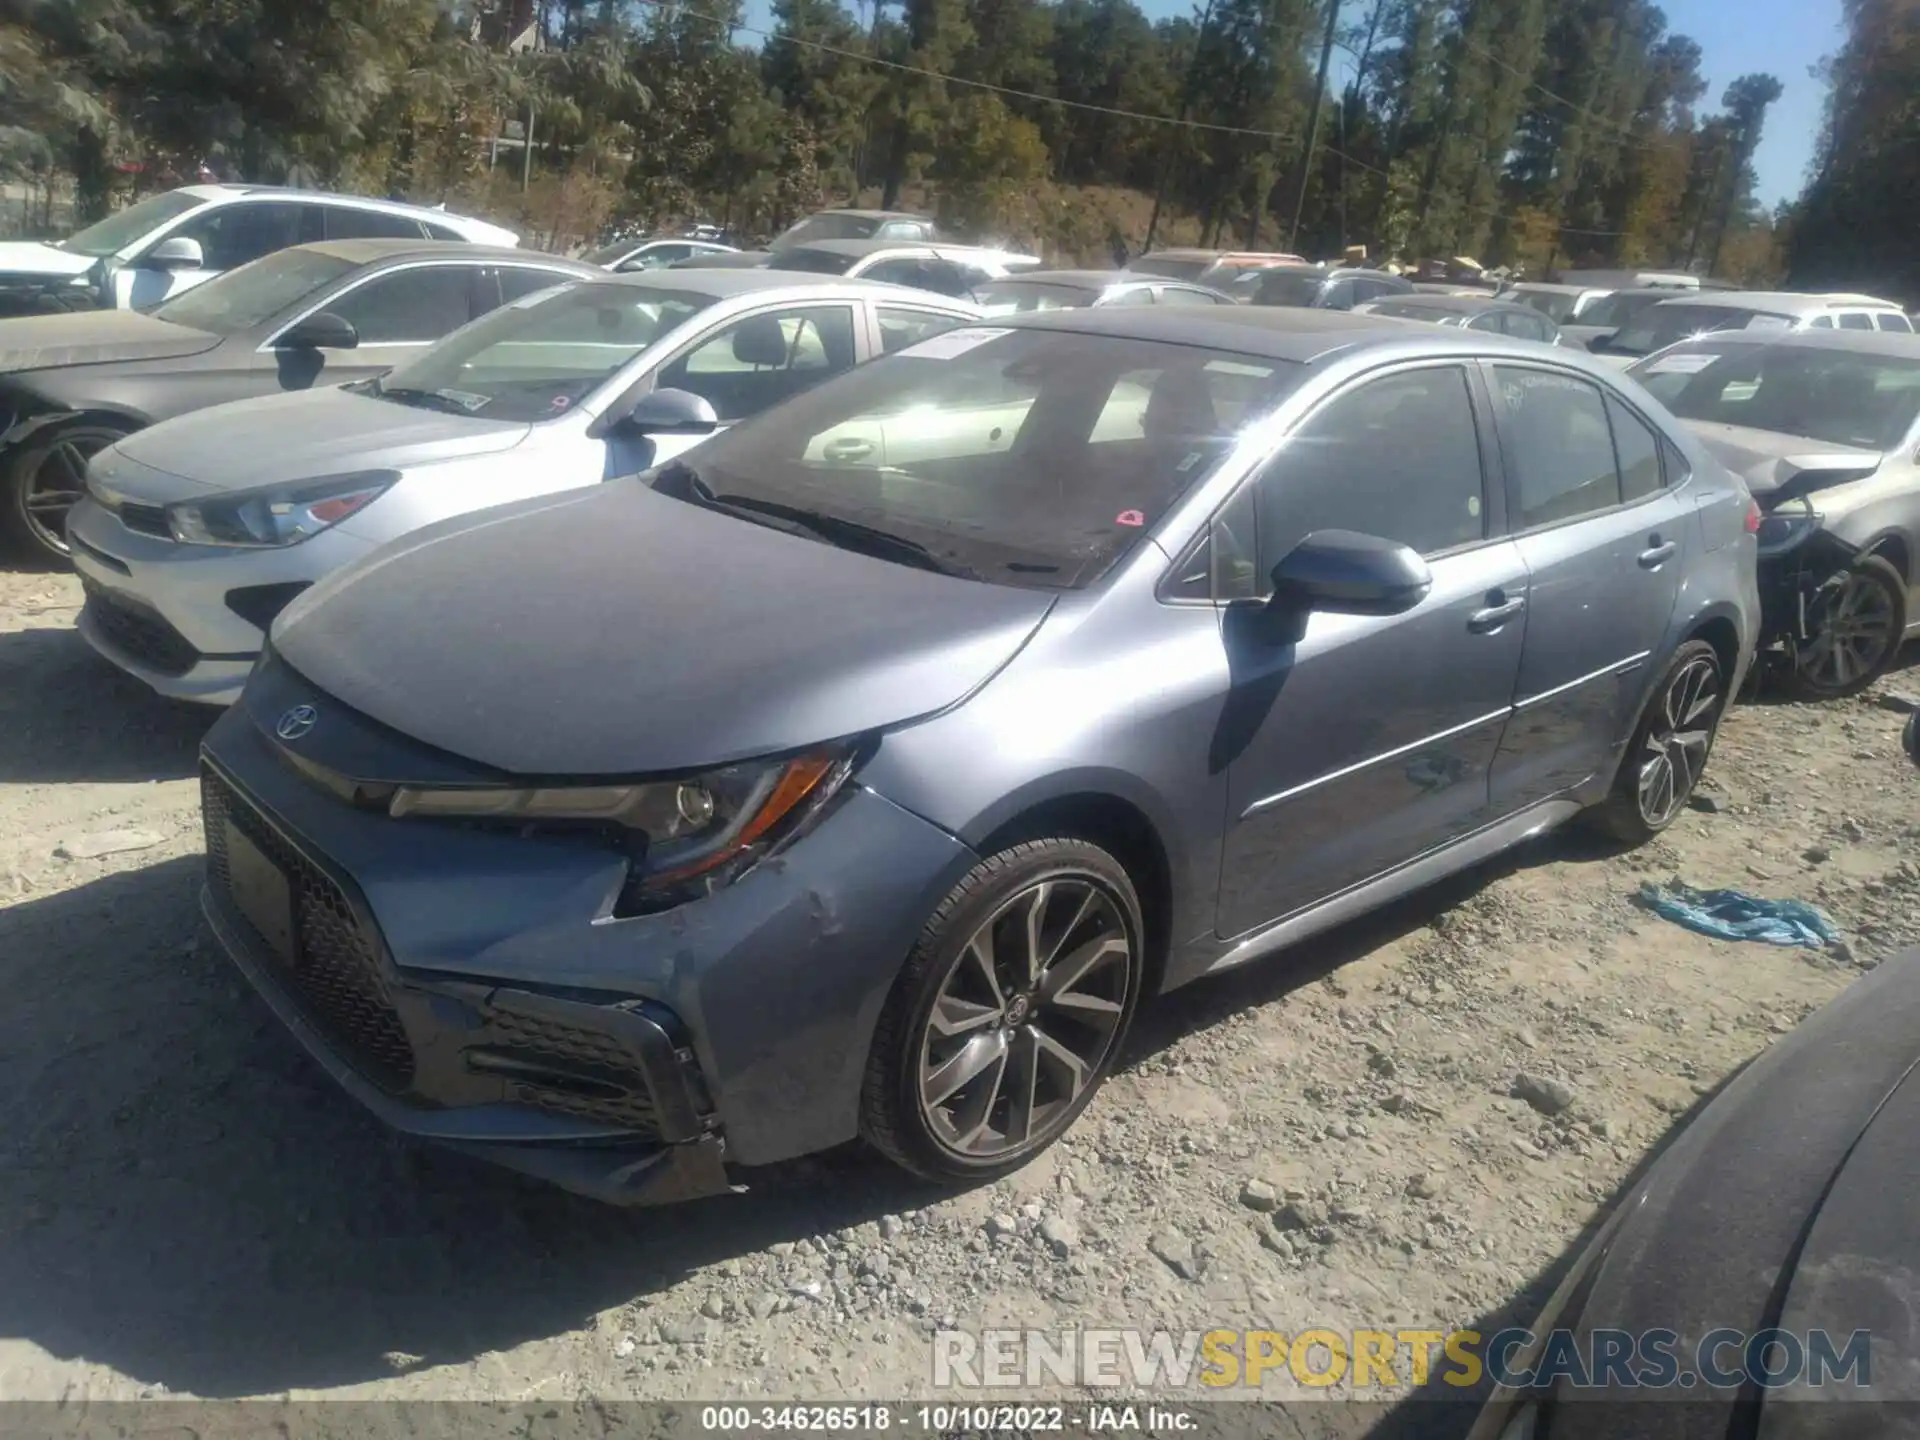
{"points": [[1599, 343], [667, 412], [324, 331], [179, 253], [1346, 573]]}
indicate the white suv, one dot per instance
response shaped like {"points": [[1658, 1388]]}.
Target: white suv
{"points": [[1670, 321], [173, 241]]}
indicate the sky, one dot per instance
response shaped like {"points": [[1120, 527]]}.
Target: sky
{"points": [[1737, 37]]}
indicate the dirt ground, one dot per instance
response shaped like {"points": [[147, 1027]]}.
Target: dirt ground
{"points": [[188, 1207]]}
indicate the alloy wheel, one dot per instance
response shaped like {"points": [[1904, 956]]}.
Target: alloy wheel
{"points": [[1674, 752], [1855, 633], [1026, 1018], [54, 480]]}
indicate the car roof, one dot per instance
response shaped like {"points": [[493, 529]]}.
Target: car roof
{"points": [[368, 252], [1085, 279], [1275, 332], [722, 284], [1893, 343], [336, 197], [876, 214], [1542, 287], [1455, 304], [1783, 302]]}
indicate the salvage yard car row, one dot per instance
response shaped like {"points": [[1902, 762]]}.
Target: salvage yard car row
{"points": [[693, 718]]}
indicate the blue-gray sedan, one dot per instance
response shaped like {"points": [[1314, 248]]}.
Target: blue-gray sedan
{"points": [[862, 772]]}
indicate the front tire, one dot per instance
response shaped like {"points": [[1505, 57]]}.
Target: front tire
{"points": [[1863, 617], [1669, 749], [1009, 1014], [45, 479]]}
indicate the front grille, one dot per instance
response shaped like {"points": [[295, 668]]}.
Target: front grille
{"points": [[147, 519], [572, 1070], [335, 971], [141, 634]]}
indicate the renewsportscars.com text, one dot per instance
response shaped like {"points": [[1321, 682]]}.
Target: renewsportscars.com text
{"points": [[1722, 1359]]}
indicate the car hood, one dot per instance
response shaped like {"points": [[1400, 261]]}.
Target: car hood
{"points": [[616, 631], [94, 337], [1713, 1232], [299, 436], [30, 260], [1777, 467]]}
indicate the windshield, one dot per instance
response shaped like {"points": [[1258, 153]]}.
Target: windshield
{"points": [[1842, 397], [1555, 306], [1031, 458], [253, 294], [1009, 297], [116, 232], [814, 262], [1288, 287], [826, 227], [1173, 269], [1613, 311], [537, 358], [1659, 326]]}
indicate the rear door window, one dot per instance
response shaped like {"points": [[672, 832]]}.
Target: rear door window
{"points": [[900, 327], [348, 223], [1558, 446], [1855, 320]]}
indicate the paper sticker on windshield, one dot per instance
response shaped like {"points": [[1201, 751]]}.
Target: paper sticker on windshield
{"points": [[466, 398], [1769, 322], [950, 343], [1686, 364]]}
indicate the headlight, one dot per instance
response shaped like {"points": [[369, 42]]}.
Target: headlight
{"points": [[1784, 529], [277, 515], [686, 837]]}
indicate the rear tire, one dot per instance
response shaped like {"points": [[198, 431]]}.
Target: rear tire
{"points": [[1668, 752], [1009, 1014], [45, 478], [1863, 620]]}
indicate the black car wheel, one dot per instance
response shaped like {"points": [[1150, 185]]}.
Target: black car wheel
{"points": [[45, 480], [1669, 749], [1859, 617], [1009, 1013]]}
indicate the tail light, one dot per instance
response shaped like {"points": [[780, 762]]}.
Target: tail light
{"points": [[1753, 517]]}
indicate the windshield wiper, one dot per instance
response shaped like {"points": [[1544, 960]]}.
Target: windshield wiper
{"points": [[424, 399], [852, 535]]}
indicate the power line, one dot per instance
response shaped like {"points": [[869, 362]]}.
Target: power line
{"points": [[1087, 105]]}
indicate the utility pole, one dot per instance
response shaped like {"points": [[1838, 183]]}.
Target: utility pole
{"points": [[1313, 122], [526, 155], [1178, 133]]}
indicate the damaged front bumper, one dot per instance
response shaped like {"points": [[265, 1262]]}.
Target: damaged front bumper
{"points": [[471, 987]]}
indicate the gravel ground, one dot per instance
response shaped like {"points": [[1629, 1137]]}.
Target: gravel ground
{"points": [[188, 1207]]}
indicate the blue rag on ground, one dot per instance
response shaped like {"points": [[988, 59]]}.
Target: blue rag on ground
{"points": [[1736, 915]]}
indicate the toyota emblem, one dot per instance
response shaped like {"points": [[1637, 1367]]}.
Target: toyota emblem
{"points": [[296, 722]]}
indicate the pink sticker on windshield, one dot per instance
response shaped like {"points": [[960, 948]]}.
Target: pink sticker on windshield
{"points": [[1129, 517]]}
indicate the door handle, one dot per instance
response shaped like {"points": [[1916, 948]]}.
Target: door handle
{"points": [[1657, 553], [1494, 616], [848, 449]]}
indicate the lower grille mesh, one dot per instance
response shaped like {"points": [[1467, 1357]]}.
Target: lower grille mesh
{"points": [[336, 973], [142, 635]]}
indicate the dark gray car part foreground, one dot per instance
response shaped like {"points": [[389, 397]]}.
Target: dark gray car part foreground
{"points": [[1787, 1203], [621, 833]]}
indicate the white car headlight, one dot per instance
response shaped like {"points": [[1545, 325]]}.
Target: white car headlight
{"points": [[277, 515]]}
